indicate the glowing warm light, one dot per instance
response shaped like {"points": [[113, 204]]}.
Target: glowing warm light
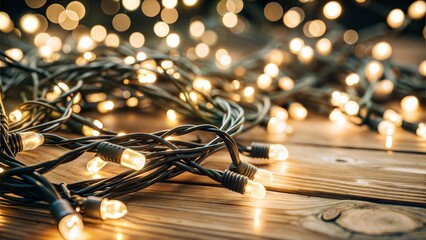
{"points": [[85, 43], [422, 68], [112, 40], [15, 116], [169, 3], [273, 11], [337, 116], [286, 83], [132, 159], [31, 140], [277, 152], [173, 40], [352, 79], [30, 23], [197, 28], [230, 20], [396, 18], [71, 227], [161, 29], [417, 10], [315, 28], [202, 85], [88, 131], [373, 71], [306, 54], [190, 3], [323, 46], [151, 8], [95, 165], [384, 88], [295, 45], [248, 91], [389, 142], [350, 36], [15, 53], [382, 51], [271, 69], [421, 130], [254, 190], [112, 209], [35, 3], [6, 25], [141, 56], [263, 177], [339, 98], [264, 81], [131, 5], [121, 22], [89, 56], [78, 8], [393, 117], [145, 76], [351, 108], [279, 113], [332, 10], [410, 103], [297, 111], [105, 106], [53, 12], [171, 115], [386, 128], [202, 50], [137, 39], [293, 17]]}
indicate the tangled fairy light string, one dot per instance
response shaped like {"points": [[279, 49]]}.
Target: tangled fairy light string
{"points": [[56, 83]]}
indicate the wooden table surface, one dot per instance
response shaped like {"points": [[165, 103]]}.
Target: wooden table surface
{"points": [[339, 182]]}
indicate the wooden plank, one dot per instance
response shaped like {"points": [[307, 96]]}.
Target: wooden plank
{"points": [[199, 212]]}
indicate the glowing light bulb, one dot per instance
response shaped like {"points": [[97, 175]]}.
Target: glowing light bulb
{"points": [[173, 40], [373, 71], [323, 46], [141, 56], [30, 23], [382, 51], [112, 209], [248, 92], [337, 116], [105, 106], [393, 117], [129, 60], [15, 53], [277, 152], [279, 113], [88, 131], [202, 85], [1, 170], [389, 142], [396, 18], [421, 130], [15, 116], [351, 108], [417, 10], [297, 111], [271, 69], [169, 3], [386, 128], [85, 43], [276, 126], [132, 159], [332, 10], [145, 76], [31, 140], [263, 177], [95, 165], [254, 190], [45, 51], [295, 45], [286, 83], [264, 81], [306, 54], [171, 115], [352, 79], [190, 3], [384, 88], [410, 103], [71, 227]]}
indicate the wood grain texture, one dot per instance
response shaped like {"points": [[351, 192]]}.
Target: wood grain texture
{"points": [[179, 211]]}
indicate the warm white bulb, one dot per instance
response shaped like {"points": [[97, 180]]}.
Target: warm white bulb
{"points": [[271, 69], [373, 71], [382, 51], [254, 190], [277, 152], [417, 10], [190, 3], [132, 159], [105, 106], [337, 116], [263, 177], [410, 103], [264, 81], [295, 45], [279, 113], [393, 117], [396, 18], [71, 227], [386, 128], [31, 140], [352, 79], [421, 130], [112, 209], [173, 40], [202, 85], [297, 111], [95, 165], [285, 83], [171, 115], [332, 10], [351, 108], [306, 54], [276, 126], [323, 46], [15, 116]]}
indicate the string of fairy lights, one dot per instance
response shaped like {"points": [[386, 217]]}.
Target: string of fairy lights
{"points": [[189, 73]]}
